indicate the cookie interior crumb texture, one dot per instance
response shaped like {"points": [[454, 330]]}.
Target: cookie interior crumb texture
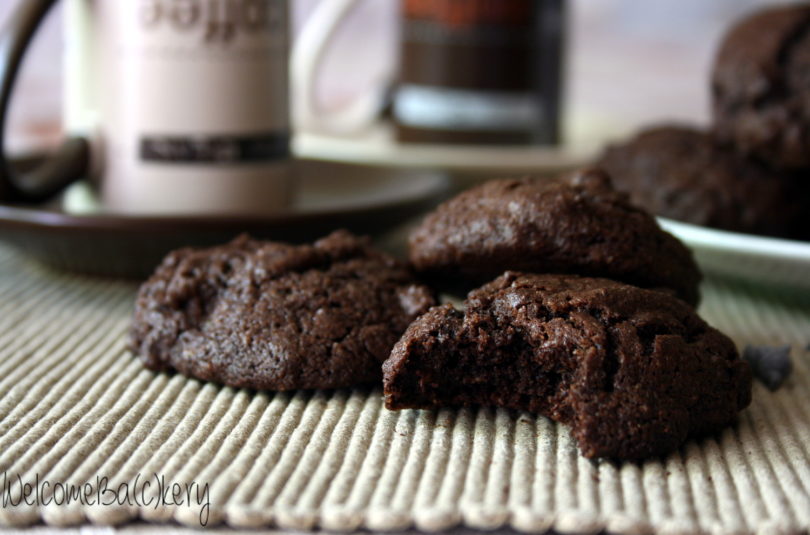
{"points": [[575, 224], [276, 316], [634, 372]]}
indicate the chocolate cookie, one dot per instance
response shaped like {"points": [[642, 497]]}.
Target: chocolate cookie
{"points": [[276, 316], [634, 372], [761, 86], [577, 224], [686, 174]]}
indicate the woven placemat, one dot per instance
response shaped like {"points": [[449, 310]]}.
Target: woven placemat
{"points": [[77, 411]]}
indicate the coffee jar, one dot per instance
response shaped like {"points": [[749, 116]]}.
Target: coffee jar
{"points": [[479, 71]]}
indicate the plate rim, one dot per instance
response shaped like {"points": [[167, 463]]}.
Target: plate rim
{"points": [[378, 148], [46, 216], [702, 237]]}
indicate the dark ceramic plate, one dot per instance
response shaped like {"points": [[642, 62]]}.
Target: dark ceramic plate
{"points": [[363, 199]]}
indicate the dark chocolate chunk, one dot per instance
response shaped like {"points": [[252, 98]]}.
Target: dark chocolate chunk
{"points": [[770, 364]]}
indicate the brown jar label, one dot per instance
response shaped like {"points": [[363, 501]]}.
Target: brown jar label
{"points": [[466, 13]]}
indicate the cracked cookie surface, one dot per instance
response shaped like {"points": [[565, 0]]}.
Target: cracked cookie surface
{"points": [[577, 224], [276, 316], [634, 372]]}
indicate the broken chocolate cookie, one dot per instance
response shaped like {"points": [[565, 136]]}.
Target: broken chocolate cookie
{"points": [[634, 372]]}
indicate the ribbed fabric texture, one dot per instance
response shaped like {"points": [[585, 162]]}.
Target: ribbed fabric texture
{"points": [[77, 407]]}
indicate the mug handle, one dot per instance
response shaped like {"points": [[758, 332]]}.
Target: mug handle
{"points": [[305, 61], [71, 159]]}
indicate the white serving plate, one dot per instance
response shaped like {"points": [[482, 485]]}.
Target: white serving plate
{"points": [[758, 259]]}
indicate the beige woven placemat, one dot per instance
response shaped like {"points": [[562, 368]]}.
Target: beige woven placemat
{"points": [[77, 411]]}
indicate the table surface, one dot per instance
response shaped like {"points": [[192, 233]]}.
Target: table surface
{"points": [[77, 407]]}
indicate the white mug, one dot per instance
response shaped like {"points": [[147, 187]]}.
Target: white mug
{"points": [[171, 106], [180, 106]]}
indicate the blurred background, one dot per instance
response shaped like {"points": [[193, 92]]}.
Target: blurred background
{"points": [[628, 63]]}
